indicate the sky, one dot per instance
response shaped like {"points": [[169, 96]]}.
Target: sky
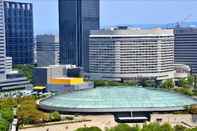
{"points": [[119, 12]]}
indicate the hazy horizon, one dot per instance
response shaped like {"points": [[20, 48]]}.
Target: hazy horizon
{"points": [[119, 12]]}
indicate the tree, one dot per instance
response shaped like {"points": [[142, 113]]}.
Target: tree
{"points": [[7, 114], [168, 84], [4, 125], [26, 70], [28, 113]]}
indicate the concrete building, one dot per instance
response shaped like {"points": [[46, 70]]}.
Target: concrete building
{"points": [[131, 53], [15, 82], [76, 19], [186, 47], [47, 50], [59, 78], [181, 71], [2, 43], [19, 31]]}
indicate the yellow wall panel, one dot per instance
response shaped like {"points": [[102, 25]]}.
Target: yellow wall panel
{"points": [[66, 81]]}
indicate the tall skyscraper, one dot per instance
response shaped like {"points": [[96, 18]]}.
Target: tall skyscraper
{"points": [[47, 50], [186, 47], [2, 43], [19, 31], [76, 19]]}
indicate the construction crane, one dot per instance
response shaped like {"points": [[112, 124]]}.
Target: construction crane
{"points": [[178, 24]]}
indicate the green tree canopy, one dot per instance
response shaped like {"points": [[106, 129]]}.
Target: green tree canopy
{"points": [[7, 114], [26, 70]]}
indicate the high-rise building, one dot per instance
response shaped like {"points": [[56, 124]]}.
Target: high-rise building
{"points": [[131, 53], [9, 79], [186, 47], [76, 19], [2, 43], [47, 50], [19, 31]]}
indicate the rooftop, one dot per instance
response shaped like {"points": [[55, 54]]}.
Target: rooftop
{"points": [[131, 32]]}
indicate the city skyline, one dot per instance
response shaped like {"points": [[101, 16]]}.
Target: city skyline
{"points": [[148, 12]]}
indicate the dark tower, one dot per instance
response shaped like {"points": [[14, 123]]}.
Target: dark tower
{"points": [[19, 31], [76, 19]]}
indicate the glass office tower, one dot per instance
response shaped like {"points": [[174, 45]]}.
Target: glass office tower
{"points": [[19, 31], [186, 47], [76, 19]]}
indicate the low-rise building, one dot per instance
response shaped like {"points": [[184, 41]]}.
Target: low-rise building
{"points": [[62, 84], [182, 71], [8, 64], [14, 80], [42, 75]]}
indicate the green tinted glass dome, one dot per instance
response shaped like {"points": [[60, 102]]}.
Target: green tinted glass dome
{"points": [[113, 99]]}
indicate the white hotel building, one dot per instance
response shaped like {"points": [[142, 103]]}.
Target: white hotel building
{"points": [[131, 53]]}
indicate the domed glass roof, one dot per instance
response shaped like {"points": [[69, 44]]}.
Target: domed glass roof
{"points": [[118, 98]]}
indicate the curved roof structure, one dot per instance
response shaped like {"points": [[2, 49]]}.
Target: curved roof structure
{"points": [[117, 99]]}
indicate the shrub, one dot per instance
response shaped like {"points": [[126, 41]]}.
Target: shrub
{"points": [[89, 129], [151, 127], [121, 127], [54, 116], [69, 118], [166, 127], [99, 83], [168, 84], [192, 129], [186, 91], [131, 82], [147, 83], [179, 128], [136, 128], [193, 109]]}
